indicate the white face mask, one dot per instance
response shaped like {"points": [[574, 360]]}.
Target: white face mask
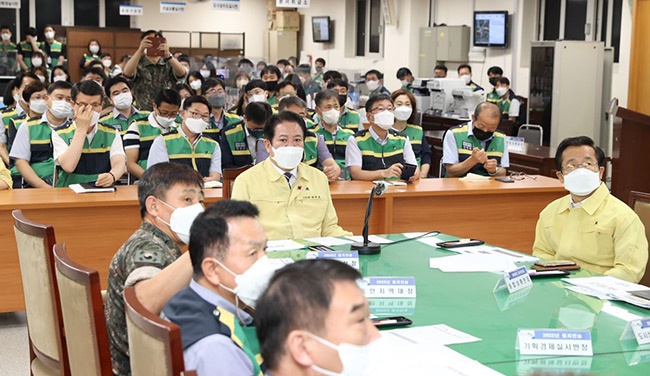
{"points": [[241, 83], [581, 181], [41, 78], [59, 78], [354, 358], [49, 35], [258, 98], [94, 48], [205, 73], [163, 122], [196, 126], [403, 113], [195, 85], [37, 62], [95, 119], [467, 78], [385, 119], [123, 101], [17, 98], [501, 91], [287, 157], [6, 36], [331, 117], [61, 109], [38, 105], [181, 220], [405, 83], [253, 282], [107, 63], [372, 85]]}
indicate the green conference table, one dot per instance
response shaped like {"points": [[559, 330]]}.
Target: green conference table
{"points": [[466, 302]]}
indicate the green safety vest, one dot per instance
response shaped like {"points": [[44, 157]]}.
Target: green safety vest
{"points": [[213, 131], [495, 147], [95, 157], [336, 145], [236, 138], [40, 145], [376, 156], [12, 130], [56, 50], [197, 156], [504, 104], [311, 154], [118, 123], [26, 50], [416, 137], [350, 120], [146, 133]]}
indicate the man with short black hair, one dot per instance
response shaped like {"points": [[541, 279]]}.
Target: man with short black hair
{"points": [[231, 270], [214, 90], [187, 145], [95, 74], [505, 98], [335, 137], [375, 83], [406, 77], [118, 90], [146, 126], [294, 199], [86, 150], [53, 49], [379, 152], [465, 72], [590, 226], [440, 71], [8, 51], [271, 75], [349, 118], [477, 147], [27, 47], [242, 141], [21, 81], [32, 148], [171, 197], [150, 74], [309, 309], [319, 66]]}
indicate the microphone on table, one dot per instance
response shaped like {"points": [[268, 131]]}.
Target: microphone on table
{"points": [[366, 247]]}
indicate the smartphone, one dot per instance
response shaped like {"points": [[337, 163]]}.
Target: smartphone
{"points": [[504, 180], [320, 248], [155, 43], [534, 274], [408, 171], [460, 243], [389, 322], [552, 264]]}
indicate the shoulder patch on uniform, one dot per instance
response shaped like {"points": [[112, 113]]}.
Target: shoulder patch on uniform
{"points": [[149, 256]]}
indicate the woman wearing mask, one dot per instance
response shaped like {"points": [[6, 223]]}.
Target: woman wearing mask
{"points": [[271, 76], [195, 80], [405, 110], [94, 50], [41, 73], [107, 63], [38, 60], [59, 74], [241, 79]]}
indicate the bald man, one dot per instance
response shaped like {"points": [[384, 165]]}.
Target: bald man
{"points": [[477, 147]]}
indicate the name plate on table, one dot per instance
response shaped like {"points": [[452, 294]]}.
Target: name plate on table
{"points": [[515, 143], [392, 307], [388, 287], [514, 280], [554, 342], [347, 257], [562, 365]]}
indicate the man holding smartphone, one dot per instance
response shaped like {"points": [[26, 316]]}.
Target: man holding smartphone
{"points": [[152, 69]]}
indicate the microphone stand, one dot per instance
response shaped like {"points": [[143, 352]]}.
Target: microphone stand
{"points": [[366, 247]]}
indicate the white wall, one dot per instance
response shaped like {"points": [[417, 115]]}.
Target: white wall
{"points": [[251, 19]]}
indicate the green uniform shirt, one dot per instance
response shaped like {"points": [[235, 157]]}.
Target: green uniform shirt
{"points": [[54, 52], [350, 120], [25, 49], [119, 123], [466, 143], [337, 144], [197, 156]]}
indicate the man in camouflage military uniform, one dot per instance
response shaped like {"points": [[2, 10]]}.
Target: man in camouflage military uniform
{"points": [[151, 258], [150, 74]]}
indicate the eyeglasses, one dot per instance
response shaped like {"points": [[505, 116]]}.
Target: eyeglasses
{"points": [[215, 91], [380, 109], [196, 115], [588, 164], [521, 176]]}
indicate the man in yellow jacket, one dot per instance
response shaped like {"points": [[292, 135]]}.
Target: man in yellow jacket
{"points": [[294, 199]]}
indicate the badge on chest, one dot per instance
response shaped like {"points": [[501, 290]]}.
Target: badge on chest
{"points": [[468, 145]]}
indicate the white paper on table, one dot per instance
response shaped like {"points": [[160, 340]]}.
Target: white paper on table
{"points": [[472, 263], [283, 245], [608, 288], [490, 250], [212, 184], [371, 238], [440, 334], [619, 312], [474, 177], [395, 356], [329, 241]]}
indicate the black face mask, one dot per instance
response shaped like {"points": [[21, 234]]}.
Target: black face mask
{"points": [[257, 133], [342, 99], [493, 81], [481, 134], [271, 85]]}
